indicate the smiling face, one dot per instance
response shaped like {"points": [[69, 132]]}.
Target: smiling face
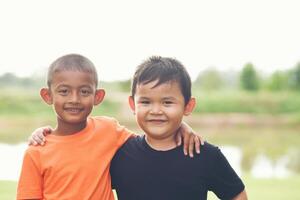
{"points": [[159, 110], [73, 95]]}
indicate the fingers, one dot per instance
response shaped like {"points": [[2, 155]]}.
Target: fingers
{"points": [[178, 139], [202, 140], [31, 141], [47, 130], [38, 139], [38, 136], [191, 146], [194, 143], [186, 144], [197, 144]]}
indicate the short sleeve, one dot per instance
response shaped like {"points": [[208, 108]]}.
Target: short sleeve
{"points": [[123, 133], [30, 181], [224, 181]]}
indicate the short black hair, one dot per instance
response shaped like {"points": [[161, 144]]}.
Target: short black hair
{"points": [[71, 62], [163, 69]]}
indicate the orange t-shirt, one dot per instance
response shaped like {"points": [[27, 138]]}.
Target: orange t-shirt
{"points": [[74, 166]]}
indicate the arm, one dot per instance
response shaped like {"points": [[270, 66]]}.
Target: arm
{"points": [[190, 139], [241, 196]]}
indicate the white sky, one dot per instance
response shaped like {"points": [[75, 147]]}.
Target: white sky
{"points": [[118, 35]]}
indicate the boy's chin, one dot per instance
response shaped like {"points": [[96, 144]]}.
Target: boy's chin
{"points": [[73, 120]]}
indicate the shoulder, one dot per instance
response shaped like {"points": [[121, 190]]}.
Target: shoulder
{"points": [[111, 128], [209, 148], [104, 119], [32, 150], [106, 122], [133, 142], [132, 147], [50, 148], [33, 154], [209, 154]]}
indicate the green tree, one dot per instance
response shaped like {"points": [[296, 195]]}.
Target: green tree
{"points": [[278, 81], [248, 78], [8, 79], [209, 79], [294, 78]]}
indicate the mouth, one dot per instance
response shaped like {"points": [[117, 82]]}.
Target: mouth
{"points": [[73, 110], [157, 121]]}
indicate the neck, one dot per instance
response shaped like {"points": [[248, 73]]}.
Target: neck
{"points": [[159, 144], [64, 129]]}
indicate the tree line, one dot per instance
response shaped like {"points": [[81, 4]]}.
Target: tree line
{"points": [[249, 79]]}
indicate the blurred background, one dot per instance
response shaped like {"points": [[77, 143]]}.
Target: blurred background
{"points": [[243, 57]]}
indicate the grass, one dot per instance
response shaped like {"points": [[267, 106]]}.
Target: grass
{"points": [[257, 189], [8, 190], [275, 189], [247, 102]]}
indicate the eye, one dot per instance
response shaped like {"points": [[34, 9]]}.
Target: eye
{"points": [[85, 92], [63, 92], [168, 103], [145, 102]]}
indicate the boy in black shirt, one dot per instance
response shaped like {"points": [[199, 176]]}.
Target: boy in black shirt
{"points": [[151, 167]]}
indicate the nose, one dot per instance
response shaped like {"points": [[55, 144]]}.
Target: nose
{"points": [[74, 98], [155, 109]]}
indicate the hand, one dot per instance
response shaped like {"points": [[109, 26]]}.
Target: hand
{"points": [[38, 136], [191, 140]]}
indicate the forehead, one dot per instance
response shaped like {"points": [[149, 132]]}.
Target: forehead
{"points": [[151, 89], [73, 78]]}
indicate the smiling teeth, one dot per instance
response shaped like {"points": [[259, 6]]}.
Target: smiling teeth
{"points": [[73, 109]]}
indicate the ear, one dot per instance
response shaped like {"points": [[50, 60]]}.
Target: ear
{"points": [[45, 93], [99, 96], [190, 106], [131, 103]]}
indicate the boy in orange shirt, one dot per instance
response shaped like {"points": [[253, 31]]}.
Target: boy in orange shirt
{"points": [[51, 172]]}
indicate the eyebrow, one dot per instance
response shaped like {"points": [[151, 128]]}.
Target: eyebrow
{"points": [[63, 85], [142, 97], [69, 86], [164, 98], [169, 98]]}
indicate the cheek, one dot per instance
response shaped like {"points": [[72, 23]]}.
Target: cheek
{"points": [[141, 110], [87, 100], [175, 111], [139, 114], [176, 115], [58, 99]]}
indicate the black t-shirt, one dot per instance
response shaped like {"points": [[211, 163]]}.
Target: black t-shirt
{"points": [[142, 173]]}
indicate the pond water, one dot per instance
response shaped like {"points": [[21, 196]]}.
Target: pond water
{"points": [[11, 157]]}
